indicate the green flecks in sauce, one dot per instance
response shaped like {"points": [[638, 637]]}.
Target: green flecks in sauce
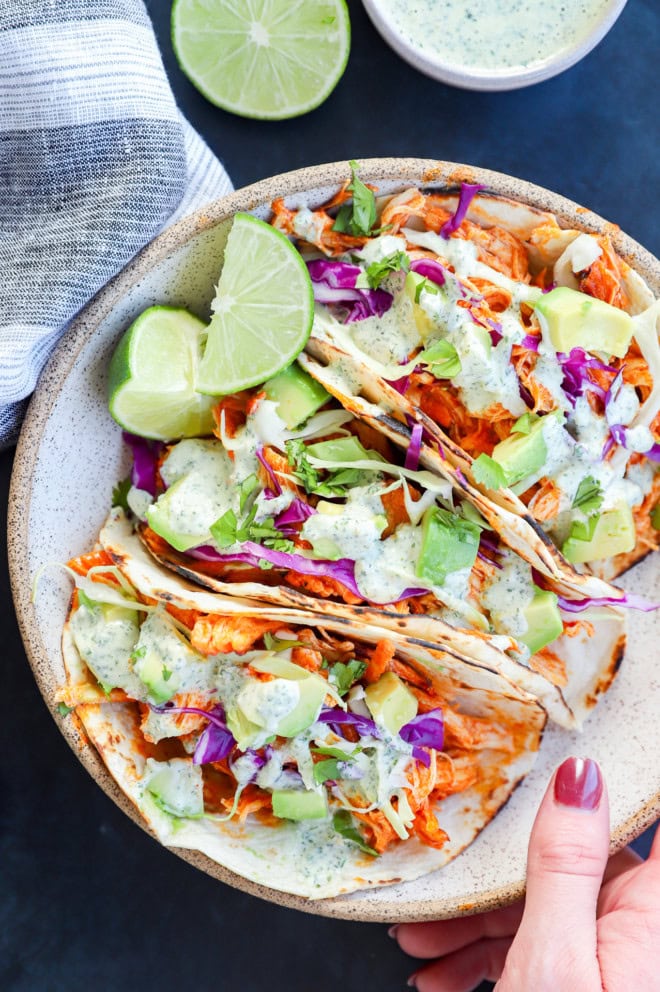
{"points": [[491, 34]]}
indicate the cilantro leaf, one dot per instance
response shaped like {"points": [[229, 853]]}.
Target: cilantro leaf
{"points": [[336, 752], [425, 286], [136, 654], [279, 643], [523, 425], [64, 710], [335, 482], [398, 261], [441, 359], [325, 771], [246, 488], [343, 676], [488, 473], [589, 496], [359, 216], [120, 494], [583, 530], [223, 531], [343, 823], [166, 673]]}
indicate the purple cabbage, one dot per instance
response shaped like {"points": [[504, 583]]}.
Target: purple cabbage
{"points": [[337, 717], [334, 283], [628, 600], [467, 194], [429, 269], [531, 342], [401, 385], [277, 489], [576, 380], [414, 448], [255, 759], [495, 331], [426, 730], [296, 513], [145, 460], [216, 740]]}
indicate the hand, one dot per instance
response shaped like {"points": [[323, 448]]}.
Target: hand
{"points": [[586, 925]]}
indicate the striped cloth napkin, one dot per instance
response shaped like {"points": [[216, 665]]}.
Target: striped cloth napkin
{"points": [[95, 159]]}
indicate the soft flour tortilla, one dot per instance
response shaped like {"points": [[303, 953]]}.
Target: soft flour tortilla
{"points": [[590, 669], [310, 859], [338, 371]]}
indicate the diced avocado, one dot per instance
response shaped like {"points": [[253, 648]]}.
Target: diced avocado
{"points": [[105, 636], [290, 804], [390, 703], [613, 534], [544, 623], [449, 543], [521, 455], [297, 395], [312, 691], [151, 670], [412, 287], [161, 517], [575, 320], [176, 786]]}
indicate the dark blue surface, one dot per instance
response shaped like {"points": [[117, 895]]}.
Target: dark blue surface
{"points": [[88, 900]]}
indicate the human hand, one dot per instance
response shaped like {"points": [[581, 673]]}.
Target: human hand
{"points": [[586, 924]]}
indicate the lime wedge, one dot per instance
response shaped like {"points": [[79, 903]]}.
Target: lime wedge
{"points": [[152, 377], [262, 311], [268, 59]]}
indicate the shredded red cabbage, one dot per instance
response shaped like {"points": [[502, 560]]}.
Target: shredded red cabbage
{"points": [[277, 489], [414, 448], [337, 717], [495, 331], [531, 342], [216, 740], [426, 730], [467, 194], [145, 459], [576, 379], [296, 513], [334, 283], [256, 759], [628, 600], [401, 385], [430, 269], [343, 570]]}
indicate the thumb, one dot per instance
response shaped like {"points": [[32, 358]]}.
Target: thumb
{"points": [[568, 852]]}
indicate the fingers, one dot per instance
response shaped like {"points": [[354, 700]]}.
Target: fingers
{"points": [[432, 940], [622, 861], [463, 970], [567, 855]]}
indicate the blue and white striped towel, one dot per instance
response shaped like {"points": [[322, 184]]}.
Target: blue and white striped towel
{"points": [[95, 159]]}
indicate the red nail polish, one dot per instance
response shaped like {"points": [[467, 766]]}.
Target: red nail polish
{"points": [[392, 931], [579, 783]]}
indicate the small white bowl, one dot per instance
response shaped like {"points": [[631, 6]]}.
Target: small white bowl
{"points": [[470, 77]]}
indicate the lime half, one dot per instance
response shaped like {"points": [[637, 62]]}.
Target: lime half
{"points": [[152, 377], [269, 59], [262, 312]]}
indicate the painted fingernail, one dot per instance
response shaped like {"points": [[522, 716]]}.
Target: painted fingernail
{"points": [[412, 981], [392, 931], [579, 783]]}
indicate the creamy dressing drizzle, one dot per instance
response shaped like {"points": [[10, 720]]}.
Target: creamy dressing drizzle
{"points": [[487, 34]]}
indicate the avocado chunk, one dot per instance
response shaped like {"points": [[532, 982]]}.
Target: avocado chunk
{"points": [[151, 670], [298, 697], [390, 703], [413, 286], [289, 804], [297, 395], [449, 543], [105, 636], [176, 787], [544, 623], [614, 534], [522, 455], [575, 320]]}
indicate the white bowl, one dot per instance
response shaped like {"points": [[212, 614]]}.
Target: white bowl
{"points": [[70, 456], [506, 78]]}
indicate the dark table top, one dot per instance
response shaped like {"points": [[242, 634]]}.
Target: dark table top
{"points": [[88, 900]]}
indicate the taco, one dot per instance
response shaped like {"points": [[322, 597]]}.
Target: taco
{"points": [[320, 511], [298, 751], [527, 353]]}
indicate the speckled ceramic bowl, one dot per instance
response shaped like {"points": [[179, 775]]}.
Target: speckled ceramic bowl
{"points": [[470, 77], [70, 456]]}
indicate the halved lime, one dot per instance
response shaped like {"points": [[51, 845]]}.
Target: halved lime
{"points": [[268, 59], [262, 312], [152, 377]]}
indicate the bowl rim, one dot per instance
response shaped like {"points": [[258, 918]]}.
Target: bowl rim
{"points": [[491, 80], [427, 173]]}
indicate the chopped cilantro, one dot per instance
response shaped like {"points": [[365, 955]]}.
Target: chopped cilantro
{"points": [[327, 770], [589, 496], [335, 482], [336, 752], [523, 425], [137, 654], [106, 688], [359, 216], [223, 530], [64, 710], [441, 359], [343, 676], [488, 473], [227, 531], [166, 673], [246, 488], [583, 530], [120, 494], [343, 823], [425, 286], [398, 261]]}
